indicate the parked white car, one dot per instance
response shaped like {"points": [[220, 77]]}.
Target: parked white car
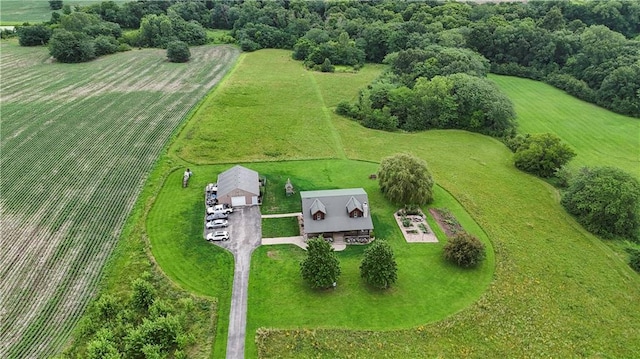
{"points": [[217, 223], [218, 236]]}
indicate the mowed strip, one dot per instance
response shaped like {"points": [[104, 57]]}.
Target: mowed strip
{"points": [[268, 110], [599, 137], [77, 144]]}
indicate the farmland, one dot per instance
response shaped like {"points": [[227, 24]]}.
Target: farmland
{"points": [[557, 290], [78, 142], [20, 11]]}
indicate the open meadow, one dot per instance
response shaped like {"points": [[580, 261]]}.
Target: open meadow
{"points": [[77, 145], [598, 136], [557, 290]]}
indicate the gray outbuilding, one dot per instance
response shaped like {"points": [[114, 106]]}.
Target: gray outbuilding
{"points": [[239, 186]]}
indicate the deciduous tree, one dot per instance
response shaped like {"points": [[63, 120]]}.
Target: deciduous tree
{"points": [[321, 267], [405, 179], [178, 51], [606, 201], [378, 267], [542, 154]]}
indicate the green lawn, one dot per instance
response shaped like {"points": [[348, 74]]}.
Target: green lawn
{"points": [[280, 227], [255, 118], [599, 137], [428, 288]]}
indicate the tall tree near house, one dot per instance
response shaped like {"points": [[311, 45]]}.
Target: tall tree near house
{"points": [[378, 267], [320, 268], [405, 179]]}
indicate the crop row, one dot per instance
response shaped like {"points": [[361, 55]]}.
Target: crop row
{"points": [[77, 143]]}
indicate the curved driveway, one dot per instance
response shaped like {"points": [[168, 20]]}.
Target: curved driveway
{"points": [[245, 231]]}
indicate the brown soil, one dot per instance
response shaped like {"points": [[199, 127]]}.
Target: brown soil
{"points": [[448, 229]]}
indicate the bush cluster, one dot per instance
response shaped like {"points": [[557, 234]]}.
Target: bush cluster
{"points": [[464, 250]]}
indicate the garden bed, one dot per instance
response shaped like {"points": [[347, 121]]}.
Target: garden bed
{"points": [[414, 227]]}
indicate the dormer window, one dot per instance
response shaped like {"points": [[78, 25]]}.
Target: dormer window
{"points": [[354, 208], [318, 210]]}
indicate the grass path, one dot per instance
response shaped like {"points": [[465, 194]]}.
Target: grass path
{"points": [[327, 116]]}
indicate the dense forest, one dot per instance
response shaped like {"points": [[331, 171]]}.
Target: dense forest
{"points": [[590, 49]]}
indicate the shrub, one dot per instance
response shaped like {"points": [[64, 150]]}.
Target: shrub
{"points": [[143, 294], [105, 45], [464, 250], [71, 47], [606, 201], [344, 108], [327, 66], [178, 51]]}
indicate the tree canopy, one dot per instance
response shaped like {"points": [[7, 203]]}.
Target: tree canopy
{"points": [[606, 201], [378, 267], [320, 268], [542, 154], [178, 51], [405, 179]]}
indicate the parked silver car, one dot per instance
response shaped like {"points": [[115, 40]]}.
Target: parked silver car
{"points": [[217, 223]]}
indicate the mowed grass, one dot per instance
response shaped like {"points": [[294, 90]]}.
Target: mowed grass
{"points": [[428, 288], [255, 118], [280, 227], [557, 291], [599, 137], [77, 144]]}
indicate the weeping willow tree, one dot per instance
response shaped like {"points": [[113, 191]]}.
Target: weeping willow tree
{"points": [[405, 179]]}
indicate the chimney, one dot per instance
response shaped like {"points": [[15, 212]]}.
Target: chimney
{"points": [[365, 210]]}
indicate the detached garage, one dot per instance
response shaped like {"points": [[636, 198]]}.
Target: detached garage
{"points": [[239, 186]]}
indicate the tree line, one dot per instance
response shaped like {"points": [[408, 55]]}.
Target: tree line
{"points": [[589, 48]]}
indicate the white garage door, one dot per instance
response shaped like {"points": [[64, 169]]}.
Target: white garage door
{"points": [[254, 200], [238, 201]]}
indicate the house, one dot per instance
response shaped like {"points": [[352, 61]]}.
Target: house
{"points": [[239, 186], [339, 213]]}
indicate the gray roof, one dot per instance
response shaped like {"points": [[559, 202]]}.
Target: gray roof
{"points": [[316, 206], [336, 204], [238, 177]]}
